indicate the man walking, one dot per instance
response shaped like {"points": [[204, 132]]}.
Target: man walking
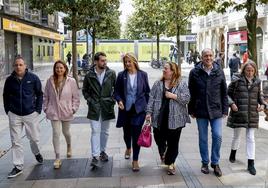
{"points": [[23, 99], [234, 64], [98, 90], [69, 58], [208, 104]]}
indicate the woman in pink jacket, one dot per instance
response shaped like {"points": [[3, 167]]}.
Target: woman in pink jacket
{"points": [[61, 101]]}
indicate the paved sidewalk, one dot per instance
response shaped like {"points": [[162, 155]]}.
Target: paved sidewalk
{"points": [[152, 174]]}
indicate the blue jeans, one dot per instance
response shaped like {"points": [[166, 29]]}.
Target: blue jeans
{"points": [[216, 130]]}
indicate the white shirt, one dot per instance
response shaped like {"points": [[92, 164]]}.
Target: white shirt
{"points": [[100, 76], [132, 79]]}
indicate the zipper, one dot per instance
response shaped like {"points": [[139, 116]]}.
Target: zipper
{"points": [[20, 82]]}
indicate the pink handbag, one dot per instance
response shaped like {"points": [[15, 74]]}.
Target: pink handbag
{"points": [[145, 138]]}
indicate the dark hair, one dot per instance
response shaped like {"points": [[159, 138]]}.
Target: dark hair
{"points": [[18, 57], [97, 55], [55, 76]]}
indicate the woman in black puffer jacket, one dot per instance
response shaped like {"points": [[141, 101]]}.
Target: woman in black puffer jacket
{"points": [[245, 100]]}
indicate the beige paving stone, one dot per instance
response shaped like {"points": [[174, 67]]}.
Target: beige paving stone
{"points": [[242, 179], [98, 182], [59, 183], [141, 181], [209, 180], [22, 184], [176, 180]]}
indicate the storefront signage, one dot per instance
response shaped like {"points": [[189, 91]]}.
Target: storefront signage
{"points": [[237, 37], [188, 38], [14, 26]]}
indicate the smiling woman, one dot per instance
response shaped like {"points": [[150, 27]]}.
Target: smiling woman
{"points": [[61, 101]]}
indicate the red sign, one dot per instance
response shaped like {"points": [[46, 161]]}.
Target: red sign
{"points": [[237, 37]]}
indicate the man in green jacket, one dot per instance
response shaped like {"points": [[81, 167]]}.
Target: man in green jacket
{"points": [[98, 90]]}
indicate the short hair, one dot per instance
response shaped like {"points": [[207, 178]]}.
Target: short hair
{"points": [[97, 55], [205, 50], [249, 63], [18, 57]]}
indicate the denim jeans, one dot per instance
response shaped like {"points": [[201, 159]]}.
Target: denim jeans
{"points": [[99, 136], [216, 131]]}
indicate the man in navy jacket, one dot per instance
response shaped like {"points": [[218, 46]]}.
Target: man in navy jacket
{"points": [[208, 104], [23, 98]]}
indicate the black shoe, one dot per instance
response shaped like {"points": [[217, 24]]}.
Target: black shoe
{"points": [[94, 162], [104, 157], [232, 156], [251, 167], [217, 170], [14, 173], [204, 169], [39, 158]]}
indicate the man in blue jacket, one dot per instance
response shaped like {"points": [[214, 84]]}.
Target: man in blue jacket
{"points": [[23, 98], [208, 104]]}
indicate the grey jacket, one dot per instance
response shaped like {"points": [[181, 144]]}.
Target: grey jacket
{"points": [[178, 114]]}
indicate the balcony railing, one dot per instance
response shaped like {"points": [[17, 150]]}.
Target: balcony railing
{"points": [[23, 11]]}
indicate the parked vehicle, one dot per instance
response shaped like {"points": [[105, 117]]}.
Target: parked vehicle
{"points": [[158, 64]]}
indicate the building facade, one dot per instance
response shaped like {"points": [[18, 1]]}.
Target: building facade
{"points": [[227, 33], [30, 33]]}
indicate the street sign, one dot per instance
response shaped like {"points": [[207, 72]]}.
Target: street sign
{"points": [[188, 38]]}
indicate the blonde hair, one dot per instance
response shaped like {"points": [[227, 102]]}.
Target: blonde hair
{"points": [[176, 76], [132, 58], [249, 63]]}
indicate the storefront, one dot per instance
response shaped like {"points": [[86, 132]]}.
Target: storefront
{"points": [[237, 42], [38, 46]]}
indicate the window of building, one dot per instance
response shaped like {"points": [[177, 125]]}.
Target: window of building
{"points": [[48, 50], [38, 51], [44, 50], [52, 50]]}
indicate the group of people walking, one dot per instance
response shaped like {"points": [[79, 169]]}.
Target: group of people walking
{"points": [[168, 106]]}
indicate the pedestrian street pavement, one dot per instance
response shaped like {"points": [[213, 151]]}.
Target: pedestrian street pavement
{"points": [[76, 173]]}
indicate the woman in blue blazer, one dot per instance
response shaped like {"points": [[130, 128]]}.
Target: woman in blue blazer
{"points": [[132, 95]]}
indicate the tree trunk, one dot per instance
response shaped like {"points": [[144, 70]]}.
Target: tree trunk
{"points": [[179, 46], [157, 47], [74, 48], [93, 43], [251, 19]]}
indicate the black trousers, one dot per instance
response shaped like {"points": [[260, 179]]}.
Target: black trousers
{"points": [[167, 141], [131, 134]]}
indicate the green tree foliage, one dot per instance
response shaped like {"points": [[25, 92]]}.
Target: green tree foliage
{"points": [[250, 17], [101, 15], [168, 17]]}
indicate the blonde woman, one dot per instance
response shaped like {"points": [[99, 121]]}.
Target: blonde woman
{"points": [[245, 100], [167, 111], [132, 94], [61, 101]]}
